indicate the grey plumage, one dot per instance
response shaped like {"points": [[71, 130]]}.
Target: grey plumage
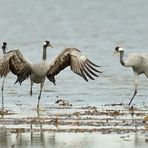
{"points": [[20, 66], [138, 62], [4, 48]]}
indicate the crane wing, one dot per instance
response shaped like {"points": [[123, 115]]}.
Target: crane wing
{"points": [[78, 63], [4, 66], [15, 62]]}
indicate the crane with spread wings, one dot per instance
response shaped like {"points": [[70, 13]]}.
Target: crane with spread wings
{"points": [[19, 65]]}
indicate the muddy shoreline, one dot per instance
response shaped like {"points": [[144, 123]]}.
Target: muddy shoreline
{"points": [[104, 119]]}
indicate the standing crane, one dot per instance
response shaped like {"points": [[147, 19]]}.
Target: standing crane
{"points": [[4, 48], [139, 64], [15, 62]]}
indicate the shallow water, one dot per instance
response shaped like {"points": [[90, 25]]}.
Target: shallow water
{"points": [[66, 140], [95, 27]]}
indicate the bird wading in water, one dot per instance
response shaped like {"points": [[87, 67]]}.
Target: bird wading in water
{"points": [[15, 62], [138, 62], [4, 48]]}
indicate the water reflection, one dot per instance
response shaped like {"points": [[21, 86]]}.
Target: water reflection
{"points": [[42, 139], [46, 139], [19, 138], [4, 138], [32, 139], [36, 133]]}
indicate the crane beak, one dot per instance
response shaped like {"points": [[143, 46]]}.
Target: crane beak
{"points": [[50, 45], [115, 52]]}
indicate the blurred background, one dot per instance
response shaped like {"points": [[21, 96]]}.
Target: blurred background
{"points": [[95, 27]]}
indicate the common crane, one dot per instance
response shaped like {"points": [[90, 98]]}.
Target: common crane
{"points": [[4, 48], [23, 68], [139, 64]]}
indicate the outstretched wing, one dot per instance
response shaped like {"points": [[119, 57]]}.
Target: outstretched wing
{"points": [[15, 62], [78, 63]]}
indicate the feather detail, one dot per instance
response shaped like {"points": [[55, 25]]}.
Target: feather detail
{"points": [[78, 63], [15, 62]]}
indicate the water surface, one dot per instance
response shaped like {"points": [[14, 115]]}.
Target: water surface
{"points": [[95, 27]]}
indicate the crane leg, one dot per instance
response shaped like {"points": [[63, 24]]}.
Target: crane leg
{"points": [[41, 87], [2, 89], [135, 91], [31, 88]]}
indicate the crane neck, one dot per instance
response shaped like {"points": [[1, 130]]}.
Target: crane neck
{"points": [[121, 58], [44, 52], [4, 50]]}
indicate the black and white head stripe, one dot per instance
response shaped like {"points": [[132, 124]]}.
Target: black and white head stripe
{"points": [[4, 44], [119, 49], [46, 43]]}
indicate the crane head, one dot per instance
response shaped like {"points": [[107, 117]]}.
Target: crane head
{"points": [[47, 44], [4, 47], [118, 49]]}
